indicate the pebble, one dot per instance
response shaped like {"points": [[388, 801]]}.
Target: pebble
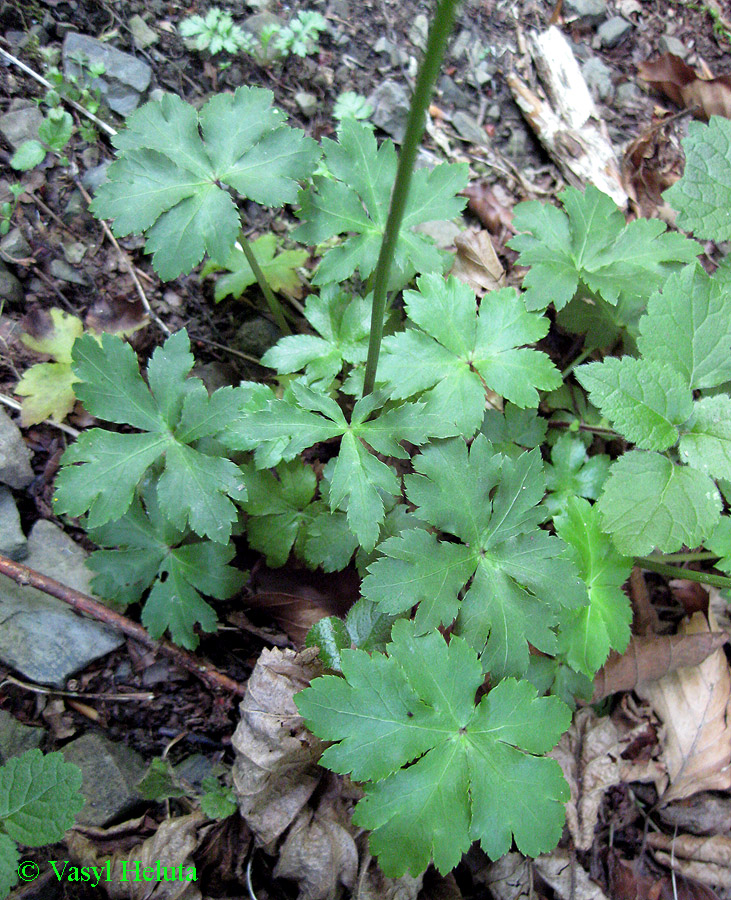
{"points": [[613, 31], [12, 539], [670, 44], [598, 77], [588, 12], [15, 456]]}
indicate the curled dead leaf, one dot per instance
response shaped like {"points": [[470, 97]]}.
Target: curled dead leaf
{"points": [[707, 859], [679, 82], [476, 263]]}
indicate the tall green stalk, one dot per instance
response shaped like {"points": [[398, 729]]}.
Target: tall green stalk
{"points": [[440, 30], [274, 305]]}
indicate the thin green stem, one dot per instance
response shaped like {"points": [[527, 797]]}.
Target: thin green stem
{"points": [[700, 556], [274, 305], [647, 562], [591, 429], [577, 362], [436, 44]]}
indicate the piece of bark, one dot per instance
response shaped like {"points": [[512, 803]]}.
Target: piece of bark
{"points": [[568, 123]]}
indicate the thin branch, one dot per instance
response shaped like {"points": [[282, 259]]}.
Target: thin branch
{"points": [[83, 603]]}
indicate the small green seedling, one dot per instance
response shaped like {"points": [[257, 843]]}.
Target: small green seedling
{"points": [[216, 33]]}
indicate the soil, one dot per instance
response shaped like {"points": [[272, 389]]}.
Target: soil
{"points": [[184, 716]]}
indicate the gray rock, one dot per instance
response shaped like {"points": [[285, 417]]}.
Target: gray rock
{"points": [[390, 102], [15, 456], [468, 129], [588, 12], [627, 94], [16, 738], [598, 77], [40, 636], [60, 269], [613, 31], [110, 773], [125, 78], [142, 34], [419, 31], [20, 123], [670, 44], [307, 103], [11, 290], [15, 245], [494, 113], [256, 336], [452, 93], [12, 539], [94, 178]]}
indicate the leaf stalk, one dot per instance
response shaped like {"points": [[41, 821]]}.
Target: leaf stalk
{"points": [[275, 307], [653, 565]]}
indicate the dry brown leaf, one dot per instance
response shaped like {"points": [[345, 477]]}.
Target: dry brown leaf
{"points": [[648, 659], [476, 263], [485, 202], [694, 703], [706, 859], [508, 878], [172, 845], [319, 851], [679, 82], [703, 813], [275, 770], [373, 884], [567, 878], [590, 755]]}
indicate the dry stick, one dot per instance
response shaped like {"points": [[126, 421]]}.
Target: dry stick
{"points": [[85, 604], [128, 263], [47, 84]]}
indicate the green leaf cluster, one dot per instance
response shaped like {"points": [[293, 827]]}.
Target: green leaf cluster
{"points": [[440, 771], [39, 799], [662, 494], [175, 165]]}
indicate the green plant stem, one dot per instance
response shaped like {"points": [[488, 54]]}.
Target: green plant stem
{"points": [[274, 305], [579, 359], [647, 562], [700, 556], [436, 44]]}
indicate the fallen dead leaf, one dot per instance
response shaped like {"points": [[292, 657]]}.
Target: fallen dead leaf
{"points": [[567, 878], [680, 83], [590, 755], [650, 165], [704, 813], [275, 770], [495, 212], [706, 859], [508, 878], [634, 881], [694, 703], [476, 263]]}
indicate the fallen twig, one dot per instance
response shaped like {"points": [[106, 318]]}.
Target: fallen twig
{"points": [[83, 603]]}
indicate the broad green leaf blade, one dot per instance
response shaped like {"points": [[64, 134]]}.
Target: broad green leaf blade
{"points": [[645, 401], [707, 446], [688, 326], [331, 636], [9, 859], [408, 721], [573, 473], [648, 502], [329, 542], [587, 635], [513, 429], [174, 161], [58, 341], [39, 797], [175, 605], [702, 197], [48, 389], [280, 270]]}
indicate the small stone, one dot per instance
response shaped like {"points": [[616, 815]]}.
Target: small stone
{"points": [[588, 12], [307, 103], [90, 157], [452, 93], [12, 539], [16, 738], [75, 206], [390, 102], [64, 272], [613, 31], [20, 123], [483, 72], [15, 245], [142, 34], [11, 290], [110, 773], [419, 31], [598, 77], [383, 45], [468, 129], [339, 8], [15, 456], [628, 94], [74, 251], [256, 336], [94, 178], [493, 112], [670, 44]]}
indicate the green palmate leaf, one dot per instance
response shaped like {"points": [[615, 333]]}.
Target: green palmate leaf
{"points": [[440, 771], [280, 506], [151, 552], [217, 801], [56, 129], [39, 797], [173, 413], [456, 351], [160, 782], [588, 634], [520, 576], [707, 445], [702, 197], [29, 155], [48, 387], [572, 473], [688, 326], [590, 245], [9, 859], [646, 401], [648, 502], [356, 202], [175, 164], [342, 322], [513, 429], [282, 430], [720, 542], [331, 636], [280, 269], [601, 323]]}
